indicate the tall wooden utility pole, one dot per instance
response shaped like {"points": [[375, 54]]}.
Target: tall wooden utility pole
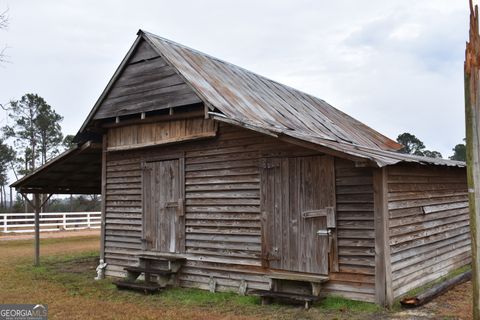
{"points": [[472, 118]]}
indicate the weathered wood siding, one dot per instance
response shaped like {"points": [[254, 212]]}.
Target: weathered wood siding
{"points": [[429, 223], [147, 83], [163, 132], [223, 226], [355, 223]]}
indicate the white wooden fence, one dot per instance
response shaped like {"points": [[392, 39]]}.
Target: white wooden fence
{"points": [[49, 221]]}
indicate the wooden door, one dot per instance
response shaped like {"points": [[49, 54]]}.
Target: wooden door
{"points": [[296, 195], [163, 208]]}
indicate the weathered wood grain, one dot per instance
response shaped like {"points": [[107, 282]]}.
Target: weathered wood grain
{"points": [[158, 133], [428, 223], [222, 212], [146, 83]]}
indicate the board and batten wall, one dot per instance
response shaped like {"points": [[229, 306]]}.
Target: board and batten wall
{"points": [[428, 223], [223, 220]]}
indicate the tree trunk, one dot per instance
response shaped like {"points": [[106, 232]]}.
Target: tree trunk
{"points": [[2, 205], [472, 118]]}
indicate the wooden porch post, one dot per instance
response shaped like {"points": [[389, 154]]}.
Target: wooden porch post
{"points": [[383, 270], [102, 265], [37, 206], [104, 189], [37, 209]]}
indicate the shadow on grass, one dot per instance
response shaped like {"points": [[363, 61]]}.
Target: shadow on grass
{"points": [[75, 274]]}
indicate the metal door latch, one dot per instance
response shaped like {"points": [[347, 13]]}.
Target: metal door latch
{"points": [[324, 232]]}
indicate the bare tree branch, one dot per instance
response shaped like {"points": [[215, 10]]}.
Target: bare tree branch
{"points": [[4, 19], [5, 106], [3, 26]]}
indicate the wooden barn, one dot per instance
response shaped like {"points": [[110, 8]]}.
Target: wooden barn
{"points": [[217, 178]]}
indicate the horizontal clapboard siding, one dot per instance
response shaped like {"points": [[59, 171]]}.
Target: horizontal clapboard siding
{"points": [[222, 213], [123, 211], [356, 242], [429, 224], [222, 204]]}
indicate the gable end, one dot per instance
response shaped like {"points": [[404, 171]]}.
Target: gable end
{"points": [[146, 83]]}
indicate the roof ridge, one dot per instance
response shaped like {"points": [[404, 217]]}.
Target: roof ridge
{"points": [[288, 87], [231, 64]]}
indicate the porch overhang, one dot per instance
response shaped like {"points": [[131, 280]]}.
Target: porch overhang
{"points": [[76, 171]]}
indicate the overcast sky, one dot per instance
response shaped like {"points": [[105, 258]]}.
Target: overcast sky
{"points": [[396, 65]]}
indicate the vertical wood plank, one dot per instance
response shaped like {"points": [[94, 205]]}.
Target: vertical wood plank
{"points": [[277, 214], [264, 212], [383, 272], [163, 205], [472, 114], [181, 196], [147, 211], [333, 254], [104, 196], [290, 187]]}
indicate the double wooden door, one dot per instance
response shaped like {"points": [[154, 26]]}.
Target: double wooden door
{"points": [[163, 206], [297, 193]]}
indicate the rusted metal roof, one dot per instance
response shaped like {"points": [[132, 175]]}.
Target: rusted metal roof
{"points": [[379, 157], [236, 95], [258, 102], [248, 97]]}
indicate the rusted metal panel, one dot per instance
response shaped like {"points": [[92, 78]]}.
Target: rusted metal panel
{"points": [[264, 105], [238, 96], [244, 95]]}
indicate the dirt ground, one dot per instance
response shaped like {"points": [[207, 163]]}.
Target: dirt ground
{"points": [[48, 235], [70, 298], [455, 304]]}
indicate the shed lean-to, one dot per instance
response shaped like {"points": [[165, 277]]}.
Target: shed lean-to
{"points": [[253, 185]]}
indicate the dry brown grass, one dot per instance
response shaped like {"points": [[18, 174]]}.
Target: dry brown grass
{"points": [[65, 282], [18, 287]]}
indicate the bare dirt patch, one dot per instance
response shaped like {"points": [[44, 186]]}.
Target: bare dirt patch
{"points": [[48, 235], [454, 304], [80, 265]]}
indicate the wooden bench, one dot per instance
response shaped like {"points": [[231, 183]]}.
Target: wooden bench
{"points": [[145, 287], [134, 272], [267, 296], [314, 280], [174, 261], [297, 276], [149, 270]]}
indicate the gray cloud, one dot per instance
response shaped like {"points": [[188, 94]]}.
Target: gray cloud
{"points": [[396, 65]]}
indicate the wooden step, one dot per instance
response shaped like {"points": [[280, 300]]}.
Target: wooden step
{"points": [[285, 296], [292, 276], [155, 255], [149, 270], [145, 287]]}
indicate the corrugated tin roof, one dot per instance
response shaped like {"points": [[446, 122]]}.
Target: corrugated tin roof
{"points": [[248, 97], [380, 157], [239, 96]]}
